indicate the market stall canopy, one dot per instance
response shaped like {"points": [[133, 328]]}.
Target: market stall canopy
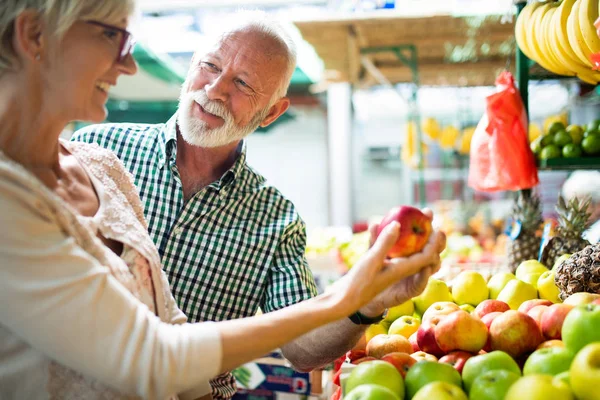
{"points": [[450, 50]]}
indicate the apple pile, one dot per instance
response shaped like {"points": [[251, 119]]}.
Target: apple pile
{"points": [[507, 338]]}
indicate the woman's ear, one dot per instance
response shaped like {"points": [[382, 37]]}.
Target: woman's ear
{"points": [[28, 41]]}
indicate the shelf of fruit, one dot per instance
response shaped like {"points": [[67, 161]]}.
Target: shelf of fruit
{"points": [[568, 148], [509, 338]]}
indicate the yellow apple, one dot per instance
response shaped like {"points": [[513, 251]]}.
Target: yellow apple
{"points": [[585, 373], [374, 330], [532, 278], [546, 287], [436, 290], [528, 267], [516, 292], [440, 391], [497, 283], [469, 287], [539, 387], [559, 261], [406, 308], [405, 326], [467, 307], [577, 299]]}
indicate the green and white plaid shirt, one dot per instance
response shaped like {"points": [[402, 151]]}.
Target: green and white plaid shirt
{"points": [[236, 245]]}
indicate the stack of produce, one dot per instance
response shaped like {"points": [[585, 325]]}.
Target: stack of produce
{"points": [[481, 340], [573, 141], [560, 36]]}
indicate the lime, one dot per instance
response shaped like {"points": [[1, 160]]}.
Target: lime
{"points": [[550, 151], [536, 145], [555, 127], [591, 144], [588, 133], [571, 150], [561, 138], [593, 126], [547, 139], [576, 133]]}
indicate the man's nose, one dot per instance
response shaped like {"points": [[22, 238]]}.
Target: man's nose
{"points": [[217, 89]]}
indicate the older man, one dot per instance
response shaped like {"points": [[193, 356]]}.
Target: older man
{"points": [[229, 242]]}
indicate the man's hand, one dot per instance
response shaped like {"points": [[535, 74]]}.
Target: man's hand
{"points": [[412, 285]]}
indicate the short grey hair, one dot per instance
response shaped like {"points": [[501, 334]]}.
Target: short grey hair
{"points": [[60, 15], [261, 22]]}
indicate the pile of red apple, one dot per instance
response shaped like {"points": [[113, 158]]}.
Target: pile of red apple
{"points": [[553, 349]]}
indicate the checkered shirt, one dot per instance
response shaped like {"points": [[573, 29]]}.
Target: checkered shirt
{"points": [[237, 245]]}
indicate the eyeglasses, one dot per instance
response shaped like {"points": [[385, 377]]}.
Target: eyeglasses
{"points": [[127, 40]]}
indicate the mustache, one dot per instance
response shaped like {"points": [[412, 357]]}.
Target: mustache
{"points": [[214, 107]]}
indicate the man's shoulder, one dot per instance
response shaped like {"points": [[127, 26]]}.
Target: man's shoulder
{"points": [[111, 136]]}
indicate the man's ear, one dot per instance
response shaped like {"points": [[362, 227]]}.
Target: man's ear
{"points": [[28, 41], [275, 111]]}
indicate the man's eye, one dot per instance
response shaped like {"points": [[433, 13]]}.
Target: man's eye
{"points": [[242, 83], [210, 67]]}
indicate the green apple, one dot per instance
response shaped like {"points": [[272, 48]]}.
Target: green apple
{"points": [[425, 372], [440, 391], [563, 377], [559, 261], [539, 387], [371, 392], [492, 385], [493, 360], [406, 308], [581, 327], [516, 292], [374, 330], [497, 283], [531, 278], [376, 372], [436, 290], [585, 373], [548, 361], [467, 307], [469, 287], [547, 288], [528, 267]]}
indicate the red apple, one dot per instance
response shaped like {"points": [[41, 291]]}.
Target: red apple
{"points": [[487, 320], [426, 336], [362, 360], [355, 354], [552, 320], [382, 344], [412, 339], [422, 356], [415, 228], [402, 361], [515, 333], [529, 304], [440, 308], [490, 306], [461, 331], [536, 313], [457, 359]]}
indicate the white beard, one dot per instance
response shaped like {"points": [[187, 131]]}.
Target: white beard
{"points": [[197, 133]]}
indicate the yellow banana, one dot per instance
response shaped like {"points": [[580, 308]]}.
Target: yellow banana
{"points": [[523, 20], [561, 46], [533, 40], [575, 38], [545, 36], [588, 14]]}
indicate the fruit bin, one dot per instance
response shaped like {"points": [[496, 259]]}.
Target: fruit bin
{"points": [[570, 163]]}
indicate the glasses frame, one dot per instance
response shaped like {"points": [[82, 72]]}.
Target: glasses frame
{"points": [[127, 40]]}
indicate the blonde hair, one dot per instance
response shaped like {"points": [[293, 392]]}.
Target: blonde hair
{"points": [[59, 15]]}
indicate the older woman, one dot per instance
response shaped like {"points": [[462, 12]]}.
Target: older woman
{"points": [[85, 310]]}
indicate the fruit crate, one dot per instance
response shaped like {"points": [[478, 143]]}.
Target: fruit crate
{"points": [[570, 163]]}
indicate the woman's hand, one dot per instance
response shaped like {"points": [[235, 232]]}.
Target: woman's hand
{"points": [[376, 283]]}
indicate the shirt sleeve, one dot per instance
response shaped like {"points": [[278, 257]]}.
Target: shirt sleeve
{"points": [[290, 278], [60, 300]]}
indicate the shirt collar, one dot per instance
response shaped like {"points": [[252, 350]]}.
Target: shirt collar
{"points": [[168, 152]]}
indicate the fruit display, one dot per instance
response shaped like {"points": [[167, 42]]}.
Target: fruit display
{"points": [[573, 220], [560, 36], [525, 347], [525, 243], [569, 142]]}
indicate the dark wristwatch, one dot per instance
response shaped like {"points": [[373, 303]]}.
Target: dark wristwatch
{"points": [[360, 319]]}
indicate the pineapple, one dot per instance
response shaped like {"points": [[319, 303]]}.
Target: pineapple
{"points": [[573, 219], [526, 246], [580, 272]]}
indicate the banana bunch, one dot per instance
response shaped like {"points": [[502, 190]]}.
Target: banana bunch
{"points": [[409, 150], [560, 36], [450, 135], [464, 143]]}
